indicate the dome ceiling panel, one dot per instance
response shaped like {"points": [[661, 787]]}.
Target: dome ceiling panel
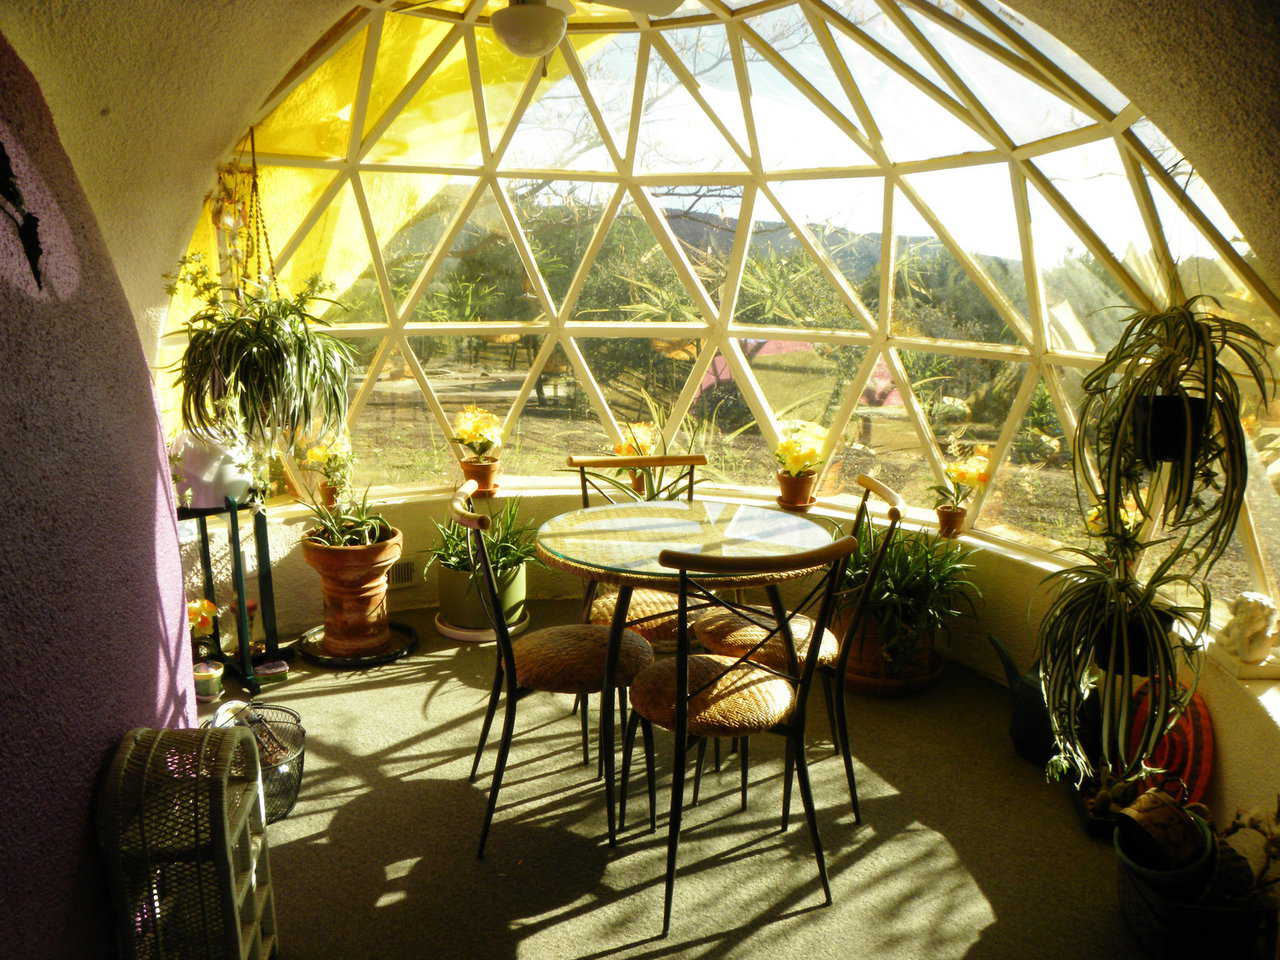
{"points": [[404, 45], [676, 134], [557, 131]]}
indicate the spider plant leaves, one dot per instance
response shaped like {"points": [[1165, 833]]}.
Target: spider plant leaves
{"points": [[258, 368], [353, 524], [510, 542]]}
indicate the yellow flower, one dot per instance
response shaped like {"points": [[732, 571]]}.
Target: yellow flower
{"points": [[638, 440], [478, 430], [200, 614], [800, 448]]}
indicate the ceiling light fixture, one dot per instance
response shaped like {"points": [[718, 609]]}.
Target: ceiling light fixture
{"points": [[529, 28]]}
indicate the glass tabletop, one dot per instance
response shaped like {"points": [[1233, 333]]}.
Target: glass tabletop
{"points": [[627, 538]]}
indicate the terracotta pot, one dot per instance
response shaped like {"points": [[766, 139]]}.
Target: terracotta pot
{"points": [[796, 491], [328, 494], [354, 580], [950, 521], [869, 672], [483, 470], [637, 481]]}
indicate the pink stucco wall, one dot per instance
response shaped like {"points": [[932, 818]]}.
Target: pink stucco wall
{"points": [[91, 608]]}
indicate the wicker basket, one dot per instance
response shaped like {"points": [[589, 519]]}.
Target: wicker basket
{"points": [[282, 750]]}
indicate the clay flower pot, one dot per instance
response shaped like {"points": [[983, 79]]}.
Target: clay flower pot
{"points": [[796, 489], [950, 521], [354, 580], [483, 470], [328, 494], [637, 482]]}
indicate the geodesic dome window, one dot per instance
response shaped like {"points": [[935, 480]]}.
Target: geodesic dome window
{"points": [[915, 222]]}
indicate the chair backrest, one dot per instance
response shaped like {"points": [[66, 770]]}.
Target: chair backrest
{"points": [[462, 513], [896, 506], [659, 484], [831, 559]]}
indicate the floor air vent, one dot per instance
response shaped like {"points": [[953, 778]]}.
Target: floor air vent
{"points": [[400, 574]]}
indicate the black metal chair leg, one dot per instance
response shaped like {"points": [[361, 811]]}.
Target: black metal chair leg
{"points": [[586, 727], [673, 824], [504, 747], [650, 774], [577, 702], [827, 696], [716, 752], [697, 769], [788, 768], [622, 708], [811, 815], [842, 723], [742, 763], [628, 741], [490, 710]]}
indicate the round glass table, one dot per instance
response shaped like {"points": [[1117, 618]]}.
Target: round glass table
{"points": [[620, 543]]}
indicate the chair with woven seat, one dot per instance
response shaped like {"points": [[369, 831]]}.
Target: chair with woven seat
{"points": [[734, 633], [712, 695], [562, 659]]}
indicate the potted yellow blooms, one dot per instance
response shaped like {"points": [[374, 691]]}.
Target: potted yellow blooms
{"points": [[333, 460], [480, 432], [640, 441], [963, 478], [798, 453]]}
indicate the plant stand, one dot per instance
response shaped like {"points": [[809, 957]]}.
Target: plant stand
{"points": [[243, 662]]}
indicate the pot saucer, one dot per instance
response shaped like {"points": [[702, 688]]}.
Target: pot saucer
{"points": [[797, 507], [403, 639], [476, 636], [485, 494]]}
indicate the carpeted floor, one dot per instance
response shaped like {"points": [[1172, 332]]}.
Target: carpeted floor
{"points": [[964, 850]]}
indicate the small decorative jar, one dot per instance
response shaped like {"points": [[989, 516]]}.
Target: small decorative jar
{"points": [[208, 678]]}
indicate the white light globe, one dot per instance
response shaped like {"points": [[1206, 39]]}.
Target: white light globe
{"points": [[529, 29]]}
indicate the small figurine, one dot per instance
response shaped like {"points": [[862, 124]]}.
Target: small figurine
{"points": [[1248, 643]]}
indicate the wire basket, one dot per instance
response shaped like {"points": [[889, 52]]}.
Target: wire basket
{"points": [[282, 751]]}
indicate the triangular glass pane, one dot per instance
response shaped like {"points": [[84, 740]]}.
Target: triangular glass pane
{"points": [[975, 204], [406, 42], [288, 194], [675, 134], [395, 439], [933, 294], [504, 78], [1084, 302], [912, 126], [1093, 179], [802, 380], [846, 218], [705, 52], [966, 400], [438, 125], [1025, 110], [335, 250], [632, 279], [736, 449], [490, 372], [559, 219], [782, 285], [881, 441], [482, 278], [557, 131], [410, 213], [640, 375], [704, 219], [314, 120], [1033, 493], [868, 16], [610, 68], [557, 420], [793, 133]]}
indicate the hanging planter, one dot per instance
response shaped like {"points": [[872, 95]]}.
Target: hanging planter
{"points": [[1169, 429]]}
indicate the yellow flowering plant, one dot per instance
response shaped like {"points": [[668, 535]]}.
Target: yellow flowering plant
{"points": [[478, 430], [964, 477], [332, 459], [799, 450], [200, 614], [638, 440]]}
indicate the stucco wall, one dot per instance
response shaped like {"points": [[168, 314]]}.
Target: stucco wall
{"points": [[92, 625]]}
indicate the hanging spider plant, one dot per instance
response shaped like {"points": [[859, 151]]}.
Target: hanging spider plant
{"points": [[257, 368], [1160, 427], [1103, 631]]}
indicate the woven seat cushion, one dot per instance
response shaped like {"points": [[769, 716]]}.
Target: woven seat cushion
{"points": [[726, 632], [745, 700], [571, 658], [661, 632]]}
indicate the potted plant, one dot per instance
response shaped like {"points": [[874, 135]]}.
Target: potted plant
{"points": [[923, 585], [334, 461], [798, 453], [639, 440], [963, 479], [1159, 425], [510, 542], [256, 371], [352, 548], [480, 432]]}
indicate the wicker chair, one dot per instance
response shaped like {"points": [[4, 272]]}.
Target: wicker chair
{"points": [[562, 659], [730, 633], [709, 695]]}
